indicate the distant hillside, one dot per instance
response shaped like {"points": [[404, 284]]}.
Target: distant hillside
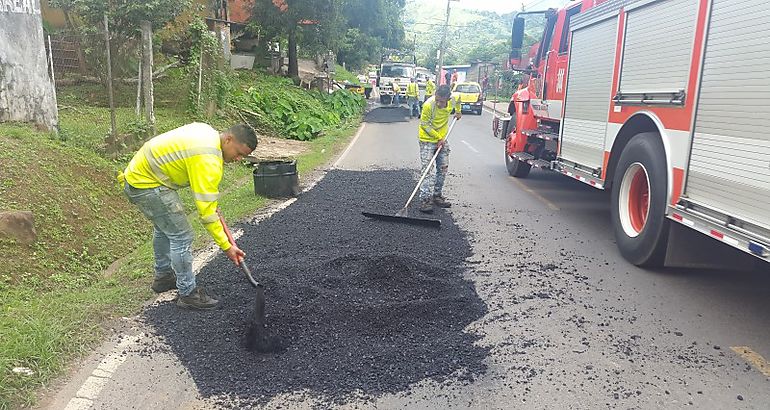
{"points": [[472, 34]]}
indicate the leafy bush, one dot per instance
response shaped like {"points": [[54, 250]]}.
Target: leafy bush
{"points": [[275, 106]]}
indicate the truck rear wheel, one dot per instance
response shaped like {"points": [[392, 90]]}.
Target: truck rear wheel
{"points": [[515, 167], [639, 192]]}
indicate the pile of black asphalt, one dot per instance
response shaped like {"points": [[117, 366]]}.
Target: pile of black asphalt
{"points": [[387, 114], [364, 307]]}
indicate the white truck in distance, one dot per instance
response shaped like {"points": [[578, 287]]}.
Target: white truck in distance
{"points": [[394, 68]]}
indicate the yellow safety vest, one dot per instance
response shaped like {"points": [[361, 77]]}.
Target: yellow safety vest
{"points": [[434, 121], [412, 90], [430, 88], [396, 88], [190, 155]]}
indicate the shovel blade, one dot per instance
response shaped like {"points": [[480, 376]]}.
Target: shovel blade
{"points": [[259, 307]]}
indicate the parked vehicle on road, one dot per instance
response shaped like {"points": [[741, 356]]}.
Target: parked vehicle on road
{"points": [[469, 95], [664, 103], [422, 74], [394, 68]]}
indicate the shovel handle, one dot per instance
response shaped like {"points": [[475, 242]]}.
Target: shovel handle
{"points": [[242, 264], [227, 230], [246, 269]]}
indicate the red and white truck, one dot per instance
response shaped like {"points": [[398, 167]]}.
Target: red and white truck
{"points": [[666, 103]]}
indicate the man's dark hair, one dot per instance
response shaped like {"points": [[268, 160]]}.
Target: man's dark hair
{"points": [[443, 91], [244, 134]]}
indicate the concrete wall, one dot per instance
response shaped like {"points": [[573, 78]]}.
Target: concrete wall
{"points": [[26, 90]]}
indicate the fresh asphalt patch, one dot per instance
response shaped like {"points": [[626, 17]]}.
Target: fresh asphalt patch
{"points": [[364, 307], [387, 114]]}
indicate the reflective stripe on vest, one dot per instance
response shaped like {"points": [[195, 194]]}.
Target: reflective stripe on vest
{"points": [[155, 166]]}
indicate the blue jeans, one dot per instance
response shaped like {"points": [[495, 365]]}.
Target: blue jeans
{"points": [[172, 234], [433, 184], [414, 106], [396, 99]]}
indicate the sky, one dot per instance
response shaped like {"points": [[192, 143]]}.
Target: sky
{"points": [[500, 6]]}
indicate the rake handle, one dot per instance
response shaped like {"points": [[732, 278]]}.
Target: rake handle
{"points": [[429, 166]]}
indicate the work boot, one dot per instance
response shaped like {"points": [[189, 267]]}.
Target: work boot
{"points": [[164, 283], [426, 206], [198, 299], [441, 202]]}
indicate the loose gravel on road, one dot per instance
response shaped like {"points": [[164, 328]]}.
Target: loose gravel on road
{"points": [[366, 307]]}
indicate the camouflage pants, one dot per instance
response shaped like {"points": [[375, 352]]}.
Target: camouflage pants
{"points": [[433, 183]]}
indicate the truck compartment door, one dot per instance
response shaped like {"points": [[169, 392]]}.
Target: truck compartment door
{"points": [[589, 84], [658, 47], [729, 169]]}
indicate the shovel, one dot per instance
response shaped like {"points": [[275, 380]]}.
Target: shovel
{"points": [[402, 215], [257, 336]]}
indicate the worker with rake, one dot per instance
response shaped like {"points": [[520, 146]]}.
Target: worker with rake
{"points": [[434, 126], [192, 155]]}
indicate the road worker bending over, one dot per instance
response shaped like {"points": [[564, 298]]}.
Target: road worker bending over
{"points": [[192, 155]]}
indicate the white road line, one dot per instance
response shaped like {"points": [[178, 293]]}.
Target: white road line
{"points": [[345, 153], [470, 147], [99, 378]]}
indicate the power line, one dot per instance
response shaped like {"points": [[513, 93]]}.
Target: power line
{"points": [[531, 4], [435, 24]]}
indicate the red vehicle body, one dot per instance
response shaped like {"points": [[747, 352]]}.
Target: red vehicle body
{"points": [[664, 102]]}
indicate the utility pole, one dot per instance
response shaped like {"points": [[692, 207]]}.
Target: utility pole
{"points": [[113, 127], [443, 43]]}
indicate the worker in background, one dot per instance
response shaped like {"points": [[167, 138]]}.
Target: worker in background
{"points": [[434, 126], [413, 98], [430, 88], [454, 78], [192, 155], [396, 93]]}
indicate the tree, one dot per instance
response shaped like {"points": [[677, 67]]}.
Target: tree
{"points": [[358, 48], [312, 22], [125, 18], [490, 52], [124, 15], [378, 25], [355, 30]]}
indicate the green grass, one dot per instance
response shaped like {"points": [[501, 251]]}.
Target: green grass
{"points": [[56, 295], [341, 74]]}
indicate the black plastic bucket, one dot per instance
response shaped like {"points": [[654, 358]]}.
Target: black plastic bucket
{"points": [[276, 179]]}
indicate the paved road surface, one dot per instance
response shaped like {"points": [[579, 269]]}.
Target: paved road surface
{"points": [[570, 323]]}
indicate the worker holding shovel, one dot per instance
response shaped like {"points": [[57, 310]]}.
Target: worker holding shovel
{"points": [[192, 155], [434, 126]]}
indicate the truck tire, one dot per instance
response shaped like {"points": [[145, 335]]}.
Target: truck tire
{"points": [[515, 167], [638, 204]]}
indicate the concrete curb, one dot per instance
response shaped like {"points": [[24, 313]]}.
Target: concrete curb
{"points": [[499, 108]]}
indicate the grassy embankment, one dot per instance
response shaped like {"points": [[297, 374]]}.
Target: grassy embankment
{"points": [[58, 292]]}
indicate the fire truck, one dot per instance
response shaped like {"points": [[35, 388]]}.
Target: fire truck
{"points": [[666, 104]]}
